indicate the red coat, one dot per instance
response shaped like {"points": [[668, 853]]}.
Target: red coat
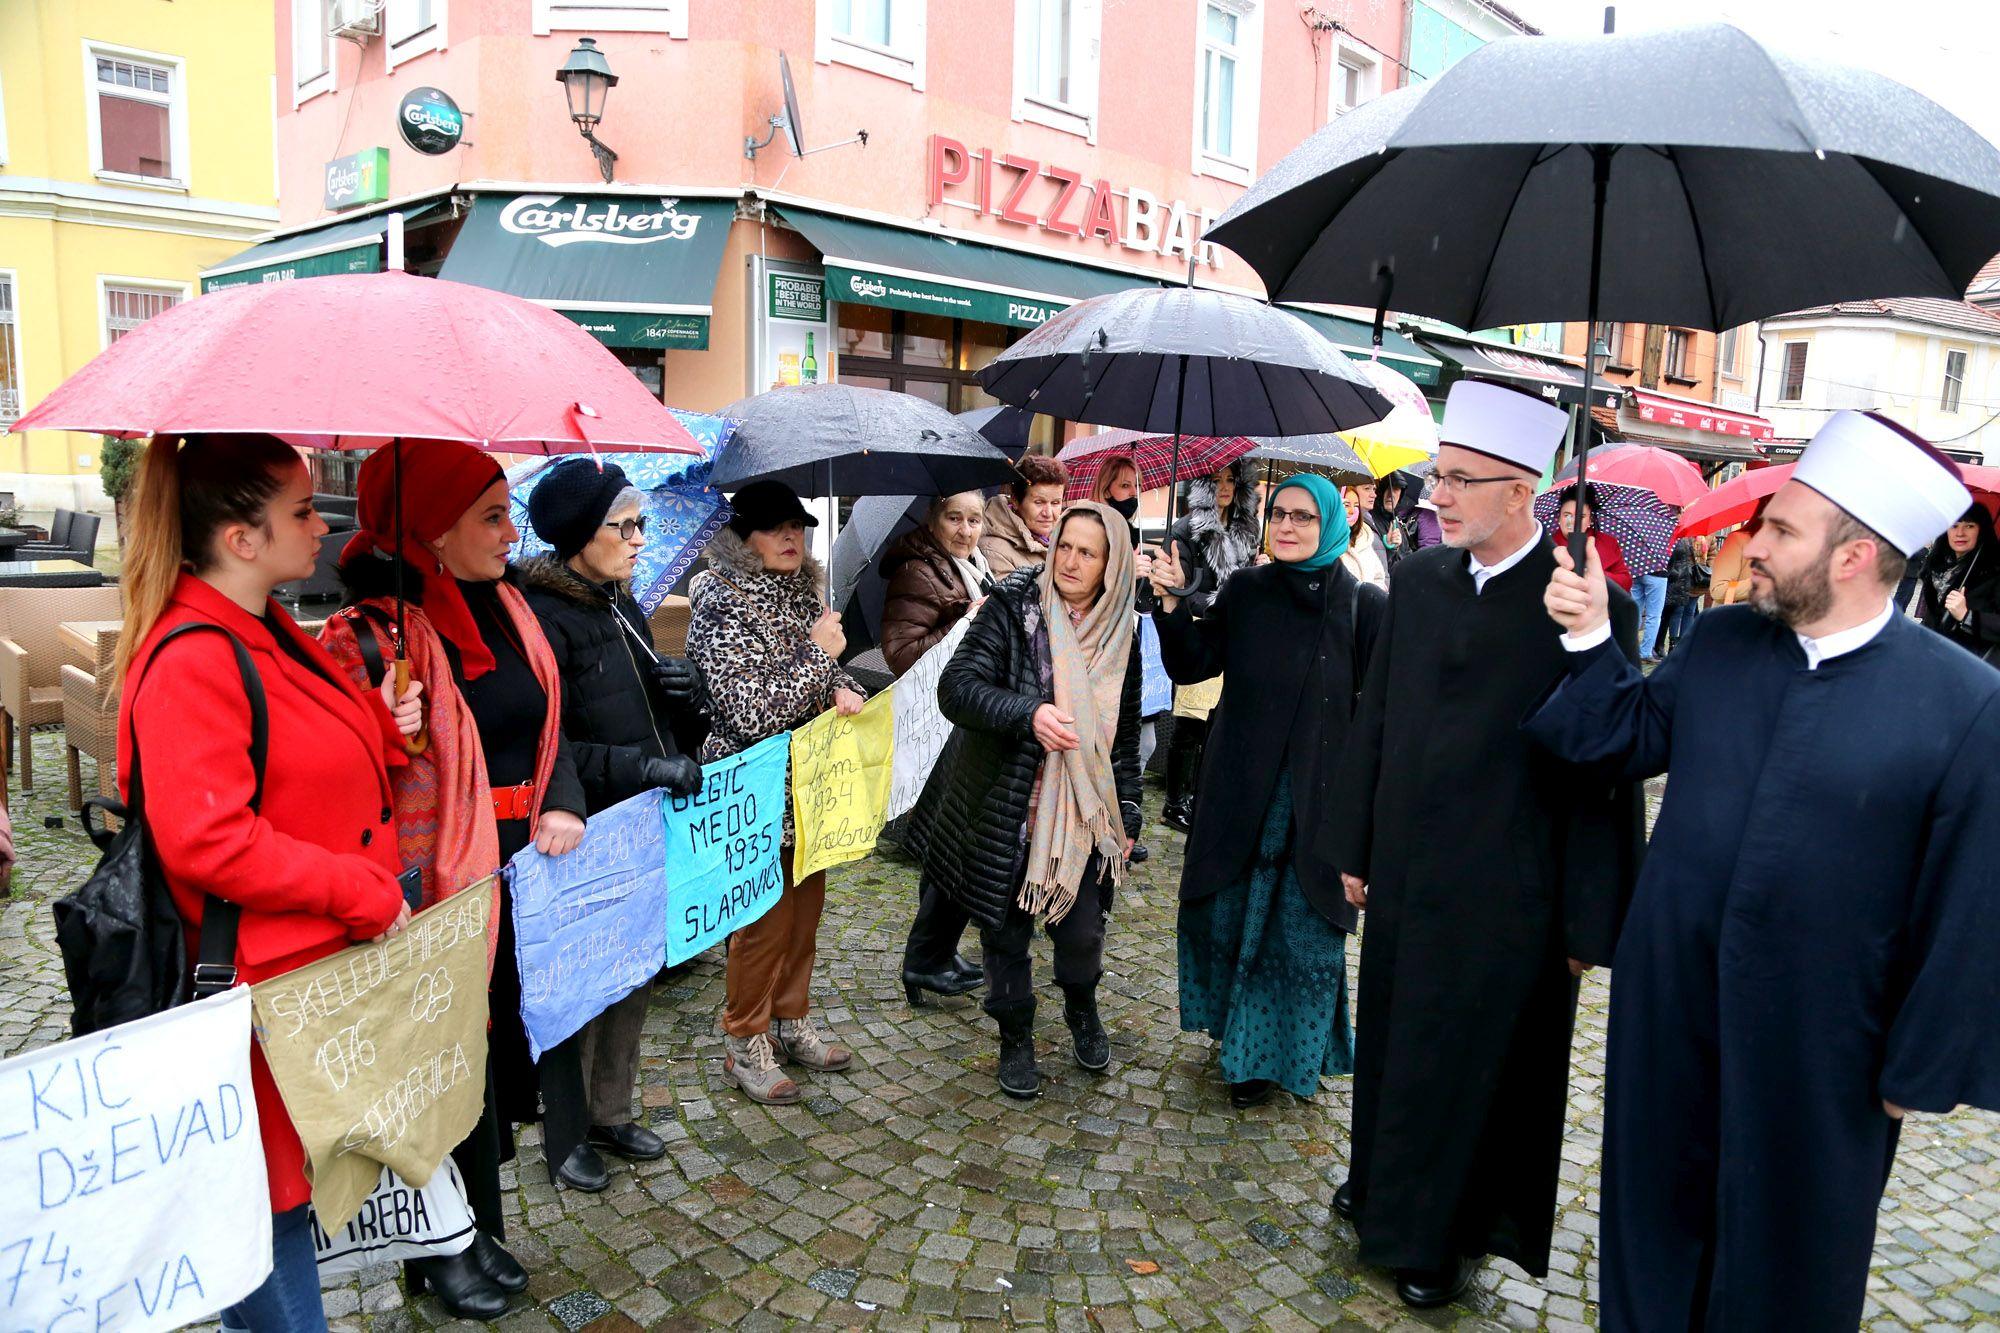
{"points": [[317, 870], [1612, 557]]}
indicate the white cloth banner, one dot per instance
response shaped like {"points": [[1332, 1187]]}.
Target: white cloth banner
{"points": [[921, 730], [135, 1196], [400, 1221]]}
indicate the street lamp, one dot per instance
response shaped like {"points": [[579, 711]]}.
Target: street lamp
{"points": [[1600, 354], [586, 78]]}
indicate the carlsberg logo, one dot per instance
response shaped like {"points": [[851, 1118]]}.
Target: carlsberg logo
{"points": [[553, 221]]}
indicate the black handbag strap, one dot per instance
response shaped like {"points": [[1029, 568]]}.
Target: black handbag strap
{"points": [[215, 966], [364, 620]]}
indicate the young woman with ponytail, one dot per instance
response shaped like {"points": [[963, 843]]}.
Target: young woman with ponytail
{"points": [[216, 524]]}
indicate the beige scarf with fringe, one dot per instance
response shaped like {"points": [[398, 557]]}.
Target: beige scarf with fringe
{"points": [[1077, 811]]}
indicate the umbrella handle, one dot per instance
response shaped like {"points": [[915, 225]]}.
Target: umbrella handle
{"points": [[417, 744]]}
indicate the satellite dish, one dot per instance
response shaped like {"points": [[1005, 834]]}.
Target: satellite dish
{"points": [[786, 122], [794, 131]]}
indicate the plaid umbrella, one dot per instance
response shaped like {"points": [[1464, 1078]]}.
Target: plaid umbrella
{"points": [[681, 510], [1199, 456], [1635, 518]]}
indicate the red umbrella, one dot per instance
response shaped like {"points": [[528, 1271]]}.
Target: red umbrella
{"points": [[1733, 502], [353, 362], [1665, 473], [1200, 456]]}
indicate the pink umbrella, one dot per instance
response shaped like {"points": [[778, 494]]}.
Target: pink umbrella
{"points": [[1665, 473], [1198, 456], [352, 362], [1734, 501]]}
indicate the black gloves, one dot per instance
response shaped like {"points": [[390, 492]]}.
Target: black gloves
{"points": [[680, 775], [677, 681]]}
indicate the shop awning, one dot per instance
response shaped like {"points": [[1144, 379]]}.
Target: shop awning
{"points": [[351, 245], [1355, 338], [942, 275], [633, 270], [1623, 429], [1555, 380], [1664, 409]]}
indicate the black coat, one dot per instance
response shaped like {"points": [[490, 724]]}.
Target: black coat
{"points": [[1285, 643], [612, 716], [966, 828], [1979, 632]]}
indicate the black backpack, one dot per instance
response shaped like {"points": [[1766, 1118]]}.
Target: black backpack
{"points": [[122, 939]]}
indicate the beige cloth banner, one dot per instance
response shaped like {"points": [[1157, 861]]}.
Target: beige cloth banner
{"points": [[380, 1051]]}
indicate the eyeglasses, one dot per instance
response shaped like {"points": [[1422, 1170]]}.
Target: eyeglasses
{"points": [[1454, 483], [629, 528], [1298, 518]]}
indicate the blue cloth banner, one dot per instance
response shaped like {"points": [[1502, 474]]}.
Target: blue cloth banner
{"points": [[1156, 692], [590, 927], [724, 866]]}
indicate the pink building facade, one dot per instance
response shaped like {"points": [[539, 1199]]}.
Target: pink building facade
{"points": [[1020, 155]]}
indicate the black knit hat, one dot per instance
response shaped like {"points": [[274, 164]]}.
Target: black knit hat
{"points": [[571, 500]]}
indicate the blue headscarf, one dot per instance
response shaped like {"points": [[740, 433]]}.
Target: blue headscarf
{"points": [[1333, 531]]}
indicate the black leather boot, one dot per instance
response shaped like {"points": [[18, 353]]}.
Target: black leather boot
{"points": [[1086, 1030], [500, 1267], [1018, 1075], [1183, 772], [461, 1285]]}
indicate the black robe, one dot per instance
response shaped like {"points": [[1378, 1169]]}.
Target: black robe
{"points": [[1285, 644], [1813, 934], [1490, 864]]}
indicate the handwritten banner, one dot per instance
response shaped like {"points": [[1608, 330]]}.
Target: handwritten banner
{"points": [[724, 858], [840, 785], [590, 927], [380, 1051], [136, 1196], [921, 729], [1156, 689]]}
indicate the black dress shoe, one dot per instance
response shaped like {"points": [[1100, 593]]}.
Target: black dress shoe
{"points": [[462, 1287], [1139, 854], [500, 1267], [972, 972], [1343, 1200], [1423, 1289], [1250, 1092], [948, 982], [584, 1170], [634, 1142]]}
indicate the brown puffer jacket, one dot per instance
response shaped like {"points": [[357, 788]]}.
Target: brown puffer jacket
{"points": [[926, 597]]}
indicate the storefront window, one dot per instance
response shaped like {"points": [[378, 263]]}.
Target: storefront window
{"points": [[933, 357], [866, 330], [979, 345], [927, 340]]}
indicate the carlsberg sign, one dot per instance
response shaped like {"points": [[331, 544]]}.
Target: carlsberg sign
{"points": [[557, 220]]}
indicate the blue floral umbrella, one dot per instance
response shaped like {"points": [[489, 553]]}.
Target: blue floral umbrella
{"points": [[682, 510]]}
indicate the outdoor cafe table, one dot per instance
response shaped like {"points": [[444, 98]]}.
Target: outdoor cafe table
{"points": [[48, 574], [10, 538]]}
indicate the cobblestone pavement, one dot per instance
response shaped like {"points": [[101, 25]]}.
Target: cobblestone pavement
{"points": [[910, 1194]]}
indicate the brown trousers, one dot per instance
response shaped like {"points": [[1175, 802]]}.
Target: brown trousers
{"points": [[611, 1058], [771, 959]]}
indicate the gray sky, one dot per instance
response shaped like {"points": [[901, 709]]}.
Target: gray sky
{"points": [[1949, 50]]}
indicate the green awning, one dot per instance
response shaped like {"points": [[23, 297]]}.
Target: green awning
{"points": [[633, 270], [351, 245], [1355, 337], [942, 275]]}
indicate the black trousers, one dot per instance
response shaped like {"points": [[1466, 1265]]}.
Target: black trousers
{"points": [[934, 935], [1078, 939]]}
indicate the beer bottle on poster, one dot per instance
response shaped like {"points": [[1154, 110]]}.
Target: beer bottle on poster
{"points": [[809, 367]]}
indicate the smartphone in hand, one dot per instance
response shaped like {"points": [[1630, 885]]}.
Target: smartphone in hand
{"points": [[411, 882]]}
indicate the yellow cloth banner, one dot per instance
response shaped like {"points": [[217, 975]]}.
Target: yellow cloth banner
{"points": [[380, 1051], [841, 770]]}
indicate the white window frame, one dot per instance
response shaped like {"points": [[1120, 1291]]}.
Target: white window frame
{"points": [[11, 280], [1366, 64], [1614, 342], [669, 18], [176, 103], [1079, 114], [902, 59], [1951, 398], [1729, 354], [1785, 368], [402, 40], [1676, 366], [1239, 166], [305, 90], [107, 281]]}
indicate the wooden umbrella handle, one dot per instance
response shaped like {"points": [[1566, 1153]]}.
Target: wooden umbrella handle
{"points": [[420, 742]]}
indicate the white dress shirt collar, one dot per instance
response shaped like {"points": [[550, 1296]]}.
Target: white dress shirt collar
{"points": [[1482, 572], [1847, 640]]}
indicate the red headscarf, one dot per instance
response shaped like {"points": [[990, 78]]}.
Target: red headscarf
{"points": [[441, 480]]}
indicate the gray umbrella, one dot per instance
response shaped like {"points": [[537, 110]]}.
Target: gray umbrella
{"points": [[1328, 452], [855, 577], [1183, 360], [837, 439], [1693, 177]]}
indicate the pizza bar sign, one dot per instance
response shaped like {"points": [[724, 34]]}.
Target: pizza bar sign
{"points": [[1031, 193]]}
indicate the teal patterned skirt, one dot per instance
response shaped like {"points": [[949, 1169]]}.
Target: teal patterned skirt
{"points": [[1266, 975]]}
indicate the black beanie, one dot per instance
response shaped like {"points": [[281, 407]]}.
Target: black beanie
{"points": [[571, 500]]}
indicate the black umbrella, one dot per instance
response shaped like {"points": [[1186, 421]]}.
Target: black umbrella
{"points": [[1006, 426], [1326, 453], [836, 439], [1184, 360], [855, 574], [1693, 177]]}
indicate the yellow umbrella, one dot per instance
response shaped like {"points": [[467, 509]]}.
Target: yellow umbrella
{"points": [[1407, 435]]}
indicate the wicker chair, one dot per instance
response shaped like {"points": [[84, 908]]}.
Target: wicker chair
{"points": [[31, 656], [90, 727], [669, 623]]}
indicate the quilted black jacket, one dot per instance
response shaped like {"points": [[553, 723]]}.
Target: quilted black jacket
{"points": [[966, 828]]}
